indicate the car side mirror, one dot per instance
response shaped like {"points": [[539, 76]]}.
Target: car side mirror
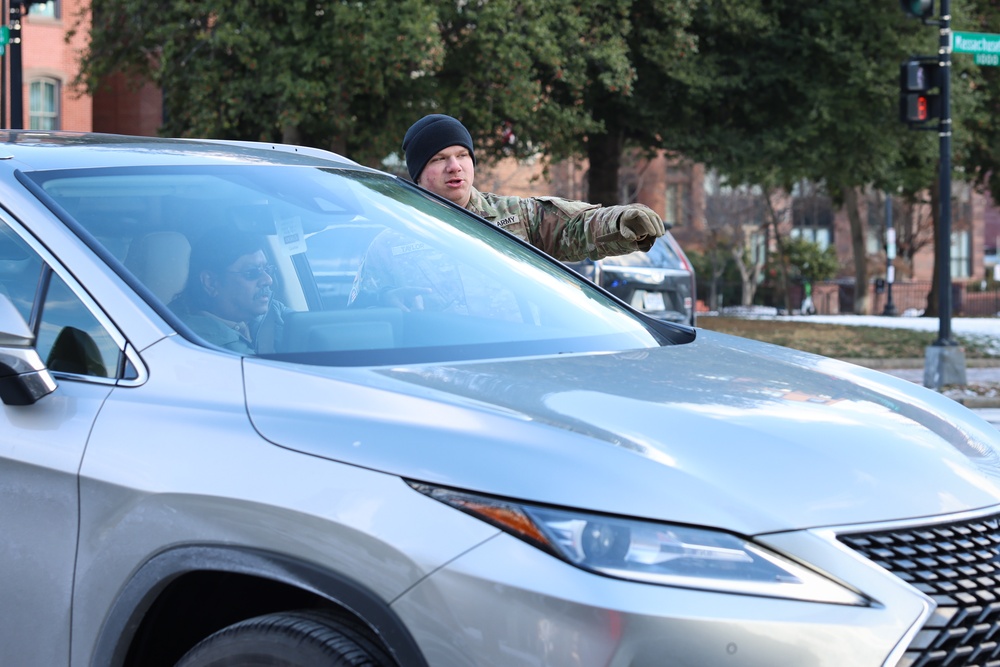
{"points": [[24, 379]]}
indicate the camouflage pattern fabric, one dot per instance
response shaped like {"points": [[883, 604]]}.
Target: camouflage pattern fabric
{"points": [[568, 230], [399, 272]]}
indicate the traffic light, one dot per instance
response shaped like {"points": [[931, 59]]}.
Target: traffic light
{"points": [[920, 9], [917, 77]]}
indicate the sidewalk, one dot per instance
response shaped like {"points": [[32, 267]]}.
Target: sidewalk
{"points": [[981, 393], [982, 377]]}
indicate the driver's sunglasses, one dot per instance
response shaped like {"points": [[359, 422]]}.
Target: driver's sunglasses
{"points": [[256, 272]]}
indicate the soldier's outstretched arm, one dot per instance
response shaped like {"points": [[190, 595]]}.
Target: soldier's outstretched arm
{"points": [[571, 230]]}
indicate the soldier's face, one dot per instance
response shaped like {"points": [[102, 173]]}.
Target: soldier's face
{"points": [[450, 173]]}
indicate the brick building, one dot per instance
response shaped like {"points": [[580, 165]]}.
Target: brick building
{"points": [[49, 66], [50, 100]]}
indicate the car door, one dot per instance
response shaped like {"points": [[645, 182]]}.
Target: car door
{"points": [[41, 447]]}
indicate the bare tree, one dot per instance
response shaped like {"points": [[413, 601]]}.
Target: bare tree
{"points": [[914, 225], [775, 216], [734, 222]]}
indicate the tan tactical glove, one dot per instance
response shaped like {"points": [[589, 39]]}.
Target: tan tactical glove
{"points": [[642, 225]]}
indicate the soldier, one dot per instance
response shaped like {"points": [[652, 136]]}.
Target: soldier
{"points": [[440, 157]]}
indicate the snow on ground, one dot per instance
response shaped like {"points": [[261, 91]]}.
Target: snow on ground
{"points": [[981, 330]]}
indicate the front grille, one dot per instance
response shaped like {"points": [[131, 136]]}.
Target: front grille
{"points": [[958, 566]]}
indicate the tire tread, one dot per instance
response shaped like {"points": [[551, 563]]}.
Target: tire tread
{"points": [[319, 638]]}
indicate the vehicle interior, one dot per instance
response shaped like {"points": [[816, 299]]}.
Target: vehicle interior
{"points": [[482, 294]]}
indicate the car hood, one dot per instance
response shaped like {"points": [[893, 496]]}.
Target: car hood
{"points": [[723, 432]]}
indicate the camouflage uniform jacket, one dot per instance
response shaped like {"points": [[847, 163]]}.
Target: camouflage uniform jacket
{"points": [[568, 230]]}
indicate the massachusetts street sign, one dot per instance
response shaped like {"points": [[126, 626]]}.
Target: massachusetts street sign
{"points": [[985, 46]]}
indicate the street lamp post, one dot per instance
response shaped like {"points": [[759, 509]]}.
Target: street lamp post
{"points": [[890, 254]]}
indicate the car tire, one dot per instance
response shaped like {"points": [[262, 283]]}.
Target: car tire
{"points": [[289, 639]]}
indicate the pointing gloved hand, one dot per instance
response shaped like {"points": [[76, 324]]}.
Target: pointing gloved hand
{"points": [[642, 225]]}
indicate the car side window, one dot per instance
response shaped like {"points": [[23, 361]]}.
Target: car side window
{"points": [[20, 271], [70, 338]]}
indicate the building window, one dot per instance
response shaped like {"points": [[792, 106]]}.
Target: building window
{"points": [[758, 249], [48, 9], [961, 255], [43, 109], [812, 215], [818, 235], [874, 244], [676, 204]]}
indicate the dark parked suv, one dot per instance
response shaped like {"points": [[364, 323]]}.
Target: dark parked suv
{"points": [[661, 282]]}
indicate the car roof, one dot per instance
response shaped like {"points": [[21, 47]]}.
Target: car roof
{"points": [[35, 150]]}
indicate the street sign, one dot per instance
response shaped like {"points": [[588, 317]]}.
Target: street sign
{"points": [[985, 46], [975, 42], [4, 39]]}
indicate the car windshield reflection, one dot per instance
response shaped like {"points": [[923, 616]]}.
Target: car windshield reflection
{"points": [[330, 266]]}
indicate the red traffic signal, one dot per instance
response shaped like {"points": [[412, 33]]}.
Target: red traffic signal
{"points": [[920, 108], [917, 77]]}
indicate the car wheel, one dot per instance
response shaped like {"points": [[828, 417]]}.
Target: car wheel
{"points": [[288, 639]]}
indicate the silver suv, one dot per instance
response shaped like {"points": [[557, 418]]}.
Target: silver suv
{"points": [[262, 405]]}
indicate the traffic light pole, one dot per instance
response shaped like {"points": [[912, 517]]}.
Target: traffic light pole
{"points": [[14, 53], [3, 75], [944, 361], [17, 10], [944, 218]]}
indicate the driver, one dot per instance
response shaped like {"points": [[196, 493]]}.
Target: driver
{"points": [[228, 298]]}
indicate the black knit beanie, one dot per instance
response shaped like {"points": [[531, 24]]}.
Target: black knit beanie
{"points": [[430, 135]]}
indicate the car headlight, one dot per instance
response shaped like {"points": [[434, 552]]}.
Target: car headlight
{"points": [[652, 552]]}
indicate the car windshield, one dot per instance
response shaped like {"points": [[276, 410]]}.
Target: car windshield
{"points": [[343, 266]]}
